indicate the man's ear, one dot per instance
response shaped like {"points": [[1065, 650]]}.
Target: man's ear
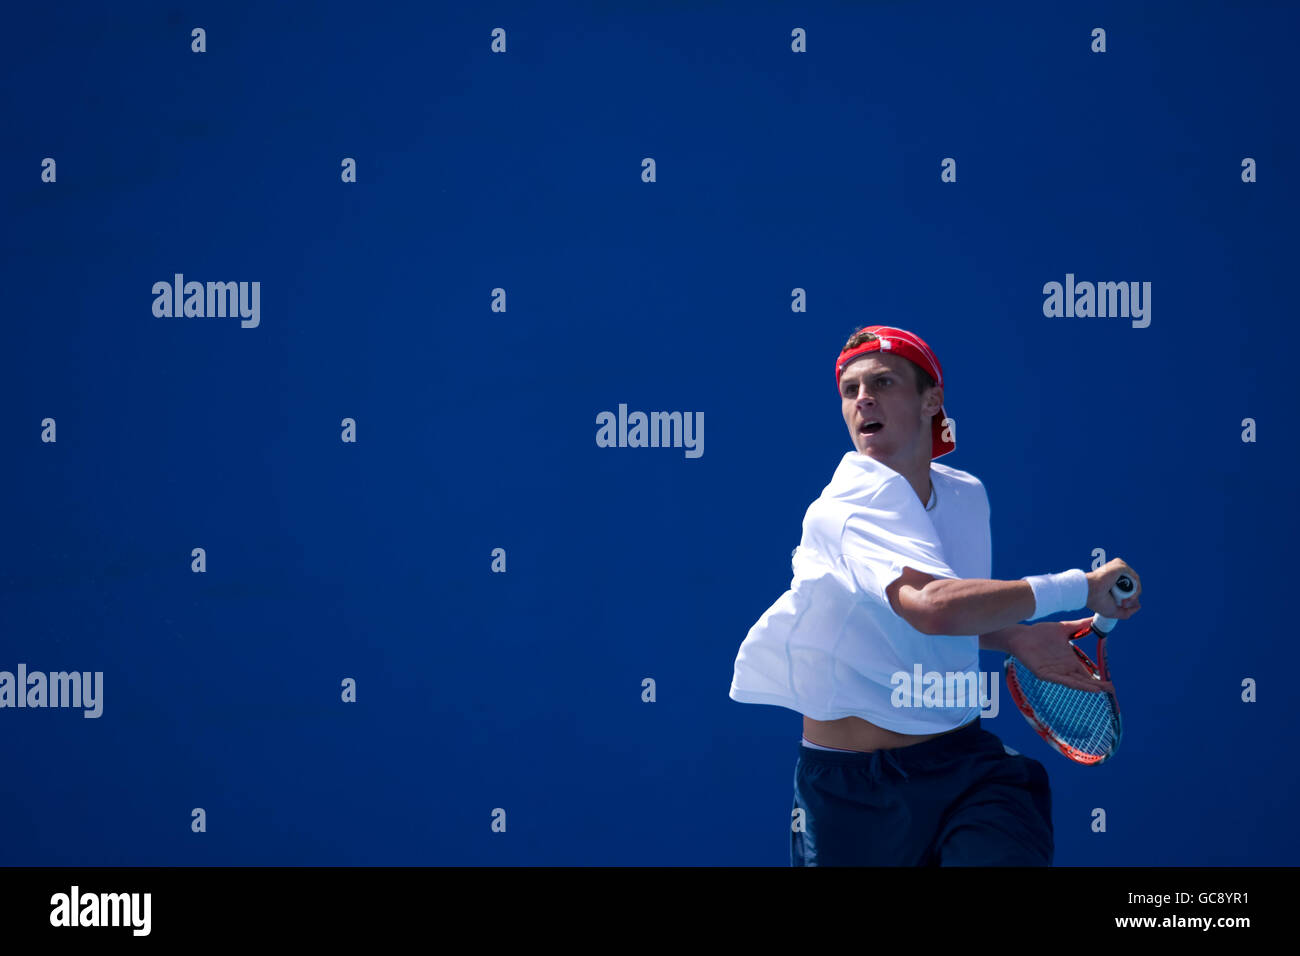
{"points": [[933, 400]]}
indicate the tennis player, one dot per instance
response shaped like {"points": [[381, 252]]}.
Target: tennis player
{"points": [[892, 572]]}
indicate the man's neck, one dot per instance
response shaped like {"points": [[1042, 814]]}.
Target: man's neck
{"points": [[918, 476], [921, 482]]}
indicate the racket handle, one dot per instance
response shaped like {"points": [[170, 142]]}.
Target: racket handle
{"points": [[1122, 589]]}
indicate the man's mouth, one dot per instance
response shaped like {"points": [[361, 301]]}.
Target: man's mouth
{"points": [[869, 428]]}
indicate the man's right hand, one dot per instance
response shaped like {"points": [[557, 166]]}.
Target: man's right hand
{"points": [[1102, 580]]}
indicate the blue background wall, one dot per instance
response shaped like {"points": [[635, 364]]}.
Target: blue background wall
{"points": [[476, 429]]}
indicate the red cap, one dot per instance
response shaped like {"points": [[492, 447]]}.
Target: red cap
{"points": [[913, 348]]}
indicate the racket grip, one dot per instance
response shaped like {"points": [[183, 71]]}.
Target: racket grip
{"points": [[1123, 588]]}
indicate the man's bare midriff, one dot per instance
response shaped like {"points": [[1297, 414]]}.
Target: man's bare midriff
{"points": [[854, 733]]}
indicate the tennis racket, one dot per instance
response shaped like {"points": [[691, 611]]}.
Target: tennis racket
{"points": [[1083, 725]]}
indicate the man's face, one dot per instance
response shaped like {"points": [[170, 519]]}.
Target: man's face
{"points": [[881, 388]]}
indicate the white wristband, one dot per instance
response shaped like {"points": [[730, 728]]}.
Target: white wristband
{"points": [[1054, 593]]}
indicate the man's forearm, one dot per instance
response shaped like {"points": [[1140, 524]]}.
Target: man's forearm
{"points": [[978, 605], [1001, 639]]}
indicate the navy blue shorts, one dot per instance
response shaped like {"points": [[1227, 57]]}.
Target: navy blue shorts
{"points": [[957, 800]]}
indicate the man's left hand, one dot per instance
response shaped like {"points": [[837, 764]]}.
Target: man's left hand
{"points": [[1046, 650]]}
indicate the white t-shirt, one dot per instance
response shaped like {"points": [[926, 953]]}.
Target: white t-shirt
{"points": [[832, 646]]}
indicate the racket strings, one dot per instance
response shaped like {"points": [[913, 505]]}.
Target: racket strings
{"points": [[1079, 718]]}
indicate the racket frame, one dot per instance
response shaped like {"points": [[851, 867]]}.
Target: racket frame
{"points": [[1101, 670]]}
